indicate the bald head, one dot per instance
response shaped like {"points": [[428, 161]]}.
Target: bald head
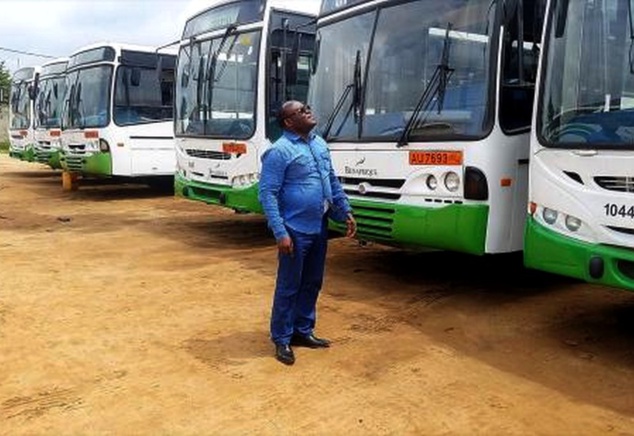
{"points": [[296, 117]]}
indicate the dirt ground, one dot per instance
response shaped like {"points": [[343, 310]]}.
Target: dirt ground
{"points": [[124, 310]]}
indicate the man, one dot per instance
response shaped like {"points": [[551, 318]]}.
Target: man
{"points": [[298, 192]]}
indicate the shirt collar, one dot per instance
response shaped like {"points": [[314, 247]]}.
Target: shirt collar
{"points": [[294, 137]]}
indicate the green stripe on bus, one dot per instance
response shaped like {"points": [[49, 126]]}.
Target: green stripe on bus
{"points": [[242, 200], [550, 251], [455, 227]]}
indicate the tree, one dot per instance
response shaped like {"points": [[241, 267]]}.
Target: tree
{"points": [[5, 83]]}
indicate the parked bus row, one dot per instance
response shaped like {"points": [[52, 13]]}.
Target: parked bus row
{"points": [[106, 110], [476, 126]]}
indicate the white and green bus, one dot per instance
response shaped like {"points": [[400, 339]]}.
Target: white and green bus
{"points": [[237, 62], [581, 193], [426, 107], [117, 113], [51, 88], [21, 118]]}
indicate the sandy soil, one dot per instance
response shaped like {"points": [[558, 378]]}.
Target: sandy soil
{"points": [[124, 310]]}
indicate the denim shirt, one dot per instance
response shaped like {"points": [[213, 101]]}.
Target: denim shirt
{"points": [[297, 179]]}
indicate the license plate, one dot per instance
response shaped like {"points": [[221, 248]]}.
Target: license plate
{"points": [[234, 147], [435, 157]]}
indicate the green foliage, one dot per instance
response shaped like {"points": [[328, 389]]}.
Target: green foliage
{"points": [[4, 146], [5, 82]]}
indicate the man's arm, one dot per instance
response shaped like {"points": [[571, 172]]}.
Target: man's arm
{"points": [[271, 180], [341, 203]]}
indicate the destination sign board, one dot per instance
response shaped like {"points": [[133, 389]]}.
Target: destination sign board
{"points": [[223, 16]]}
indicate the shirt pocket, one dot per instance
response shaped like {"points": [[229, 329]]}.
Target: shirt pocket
{"points": [[301, 167], [324, 161]]}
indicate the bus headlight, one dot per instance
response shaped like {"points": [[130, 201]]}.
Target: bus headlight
{"points": [[573, 223], [431, 182], [452, 181], [104, 147], [549, 215]]}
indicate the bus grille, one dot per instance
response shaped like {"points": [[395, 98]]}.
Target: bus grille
{"points": [[42, 156], [77, 149], [372, 222], [620, 184], [208, 154], [74, 163], [375, 189]]}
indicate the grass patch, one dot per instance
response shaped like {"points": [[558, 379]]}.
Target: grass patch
{"points": [[4, 146]]}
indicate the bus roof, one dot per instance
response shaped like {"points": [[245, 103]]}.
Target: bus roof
{"points": [[238, 12], [118, 46], [54, 67]]}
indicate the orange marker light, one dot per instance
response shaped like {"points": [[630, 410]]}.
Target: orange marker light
{"points": [[23, 133], [532, 207], [91, 134], [506, 182], [56, 133]]}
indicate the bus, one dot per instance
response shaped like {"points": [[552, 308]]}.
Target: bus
{"points": [[50, 86], [21, 98], [426, 107], [581, 192], [237, 63], [117, 112]]}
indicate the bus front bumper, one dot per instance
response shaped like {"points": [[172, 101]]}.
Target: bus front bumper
{"points": [[455, 227], [550, 251], [241, 200], [95, 164]]}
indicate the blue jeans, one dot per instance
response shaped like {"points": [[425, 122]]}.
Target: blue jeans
{"points": [[299, 280]]}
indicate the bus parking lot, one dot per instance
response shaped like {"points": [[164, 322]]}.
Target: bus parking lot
{"points": [[126, 310]]}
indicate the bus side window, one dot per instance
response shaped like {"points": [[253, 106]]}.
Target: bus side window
{"points": [[520, 55], [276, 95]]}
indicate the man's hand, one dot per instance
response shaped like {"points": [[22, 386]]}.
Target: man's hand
{"points": [[285, 245], [352, 226]]}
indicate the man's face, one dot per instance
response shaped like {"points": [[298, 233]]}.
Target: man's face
{"points": [[299, 118]]}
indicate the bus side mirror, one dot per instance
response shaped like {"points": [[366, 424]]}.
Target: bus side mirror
{"points": [[135, 77], [33, 89], [291, 63], [184, 79], [78, 95], [55, 90], [314, 60], [562, 14]]}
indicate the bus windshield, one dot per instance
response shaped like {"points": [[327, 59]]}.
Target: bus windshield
{"points": [[142, 95], [216, 90], [87, 98], [407, 41], [48, 103], [588, 89], [20, 106]]}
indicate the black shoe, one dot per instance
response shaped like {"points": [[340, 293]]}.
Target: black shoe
{"points": [[284, 353], [310, 341]]}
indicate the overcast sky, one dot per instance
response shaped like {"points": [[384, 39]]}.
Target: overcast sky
{"points": [[59, 27]]}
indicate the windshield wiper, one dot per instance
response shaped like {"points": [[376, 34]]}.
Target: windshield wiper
{"points": [[223, 66], [211, 72], [355, 88], [435, 88]]}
